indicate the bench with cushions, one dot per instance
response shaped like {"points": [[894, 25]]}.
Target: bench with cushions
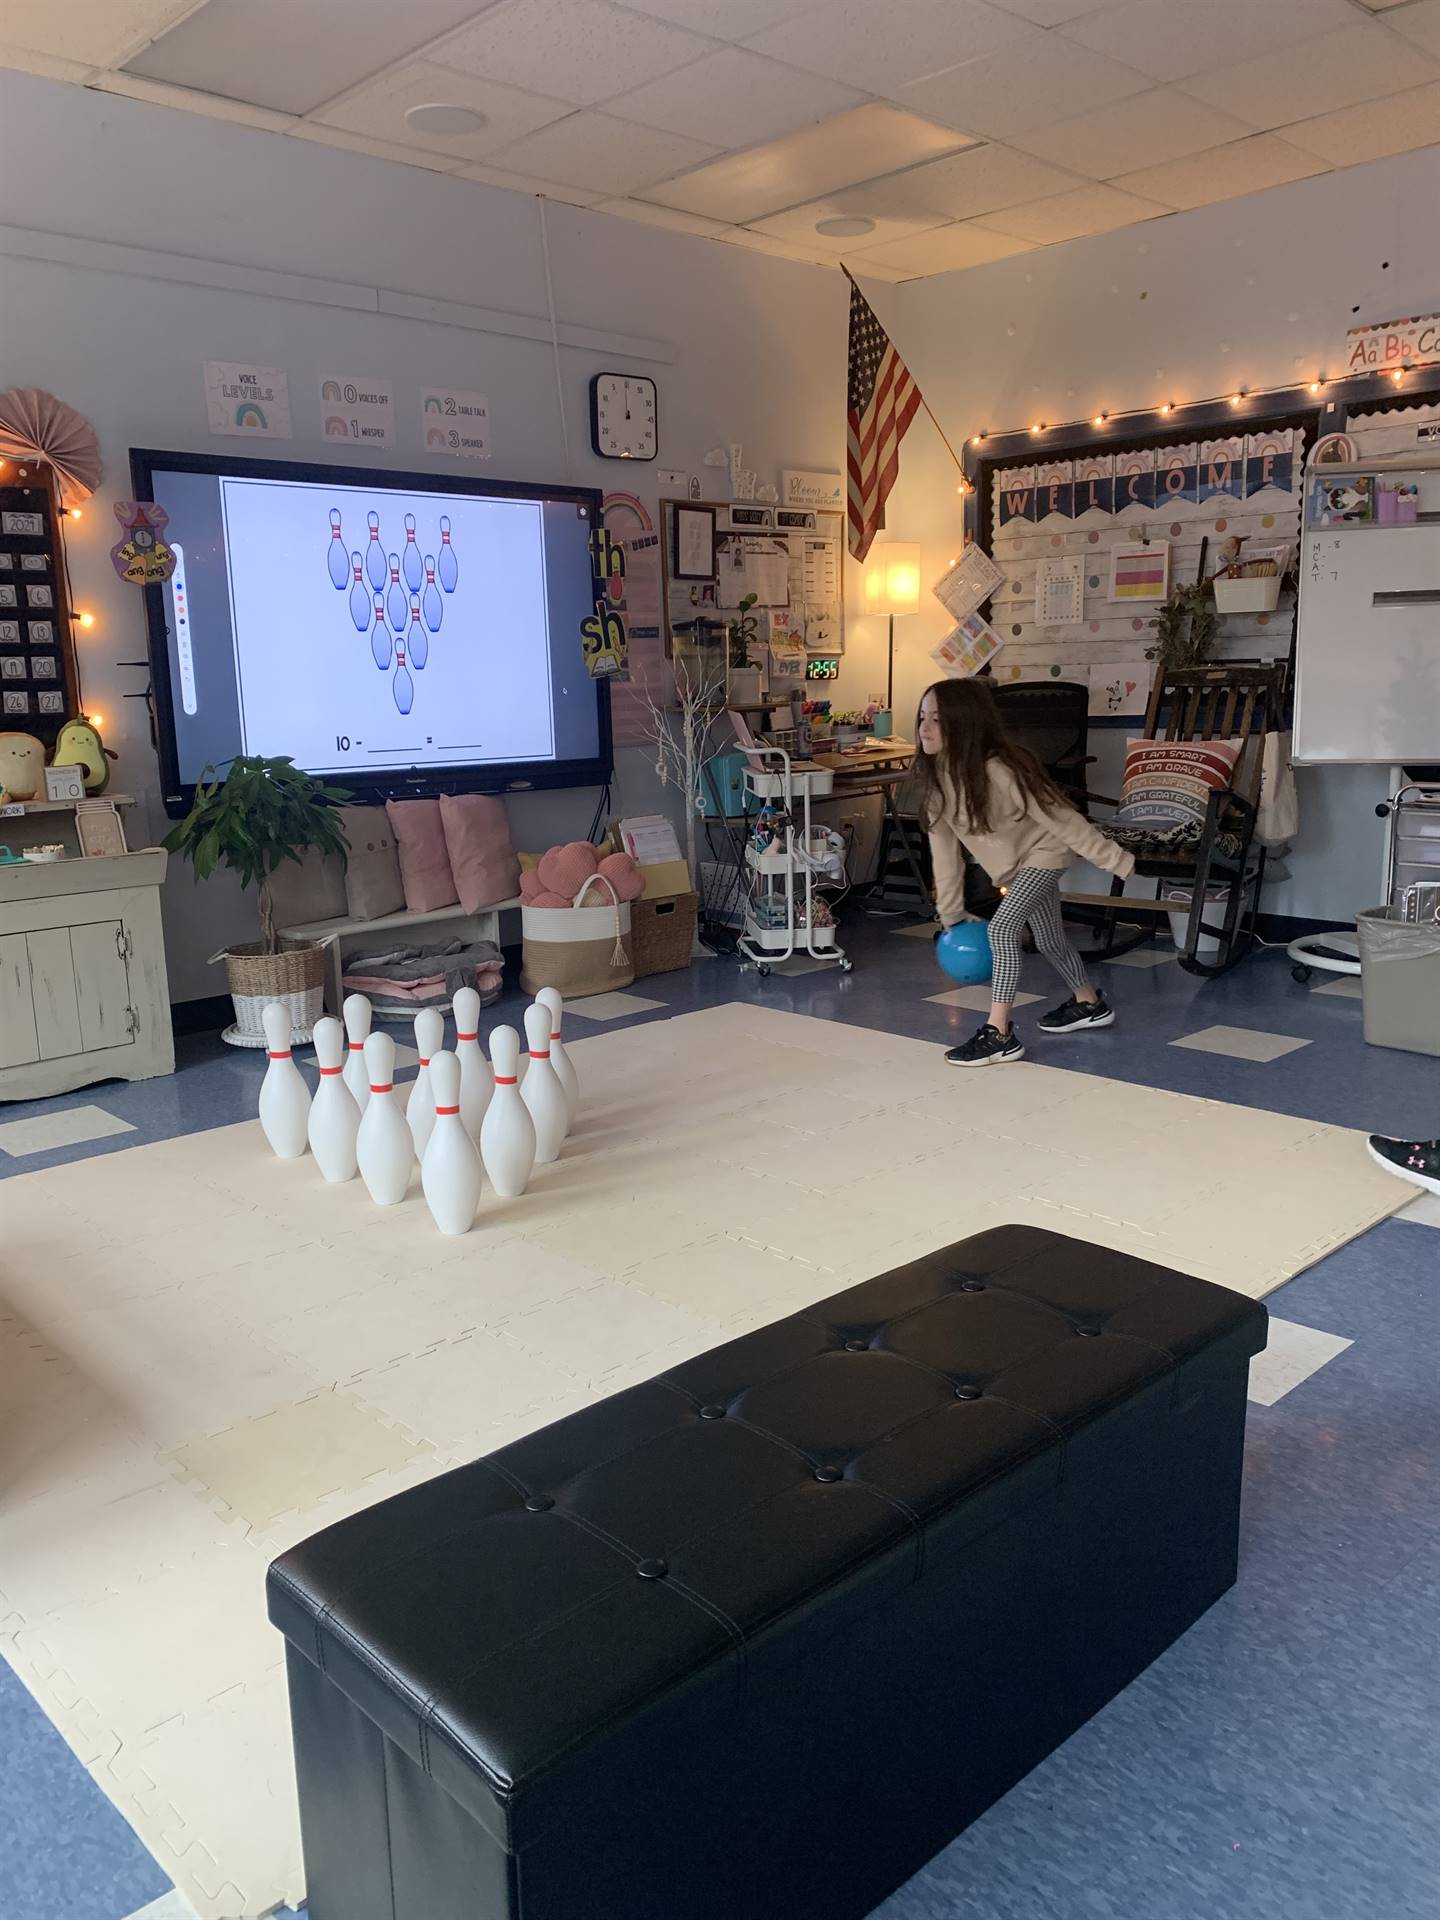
{"points": [[754, 1640]]}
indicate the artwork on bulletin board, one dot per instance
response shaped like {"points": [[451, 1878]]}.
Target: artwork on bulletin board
{"points": [[967, 647], [635, 593], [1140, 572], [1060, 591], [694, 555]]}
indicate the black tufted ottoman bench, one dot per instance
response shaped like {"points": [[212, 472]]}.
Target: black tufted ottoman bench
{"points": [[756, 1639]]}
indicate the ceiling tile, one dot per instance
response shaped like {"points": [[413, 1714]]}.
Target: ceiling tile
{"points": [[49, 65], [734, 99], [776, 249], [97, 33], [860, 145], [980, 181], [1070, 216], [577, 50], [1381, 127], [380, 108], [649, 215], [732, 20], [229, 47], [1225, 173], [1318, 76], [1419, 21], [349, 142], [1051, 13], [1019, 90], [528, 184], [850, 40], [1169, 39], [877, 203], [1154, 126], [192, 100], [596, 150], [942, 250]]}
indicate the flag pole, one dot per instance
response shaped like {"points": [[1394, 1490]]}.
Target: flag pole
{"points": [[959, 464]]}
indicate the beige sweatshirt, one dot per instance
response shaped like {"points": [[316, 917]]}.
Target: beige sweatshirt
{"points": [[1022, 833]]}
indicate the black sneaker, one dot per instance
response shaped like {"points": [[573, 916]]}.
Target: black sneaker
{"points": [[1417, 1161], [1076, 1015], [987, 1048]]}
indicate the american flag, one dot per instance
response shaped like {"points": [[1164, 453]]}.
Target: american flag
{"points": [[881, 403]]}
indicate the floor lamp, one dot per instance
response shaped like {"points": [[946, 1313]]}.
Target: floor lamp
{"points": [[892, 585]]}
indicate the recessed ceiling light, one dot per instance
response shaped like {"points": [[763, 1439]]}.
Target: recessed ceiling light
{"points": [[846, 226], [442, 118]]}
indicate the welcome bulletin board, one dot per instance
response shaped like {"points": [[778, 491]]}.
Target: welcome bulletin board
{"points": [[1093, 539]]}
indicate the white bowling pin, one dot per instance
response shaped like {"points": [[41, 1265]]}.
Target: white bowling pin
{"points": [[385, 1151], [420, 1109], [356, 1011], [507, 1137], [542, 1091], [477, 1083], [450, 1168], [334, 1116], [559, 1059], [284, 1096]]}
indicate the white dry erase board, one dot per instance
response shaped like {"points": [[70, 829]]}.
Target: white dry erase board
{"points": [[1367, 659]]}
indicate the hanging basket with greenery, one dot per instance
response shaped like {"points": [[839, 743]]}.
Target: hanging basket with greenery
{"points": [[1185, 627]]}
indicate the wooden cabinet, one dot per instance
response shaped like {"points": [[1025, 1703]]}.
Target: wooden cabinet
{"points": [[83, 991]]}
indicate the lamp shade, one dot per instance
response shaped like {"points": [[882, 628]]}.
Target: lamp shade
{"points": [[892, 577]]}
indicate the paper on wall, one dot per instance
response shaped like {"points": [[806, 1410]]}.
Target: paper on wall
{"points": [[973, 578], [1060, 591], [967, 647]]}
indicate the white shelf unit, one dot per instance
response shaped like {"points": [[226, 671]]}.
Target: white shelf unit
{"points": [[782, 880]]}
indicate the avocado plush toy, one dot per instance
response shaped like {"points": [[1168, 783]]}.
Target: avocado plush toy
{"points": [[80, 745]]}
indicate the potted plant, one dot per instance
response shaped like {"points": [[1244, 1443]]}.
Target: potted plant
{"points": [[263, 812], [1185, 627], [743, 687]]}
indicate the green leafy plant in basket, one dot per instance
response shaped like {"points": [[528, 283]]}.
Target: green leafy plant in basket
{"points": [[1186, 626], [741, 631], [263, 812]]}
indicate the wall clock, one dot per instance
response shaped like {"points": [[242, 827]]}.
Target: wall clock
{"points": [[624, 424]]}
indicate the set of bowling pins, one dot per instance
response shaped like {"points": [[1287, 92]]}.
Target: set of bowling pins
{"points": [[464, 1112], [400, 606]]}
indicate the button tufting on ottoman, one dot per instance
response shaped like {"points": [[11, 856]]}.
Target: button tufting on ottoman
{"points": [[891, 1551]]}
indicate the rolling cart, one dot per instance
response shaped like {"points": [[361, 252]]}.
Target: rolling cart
{"points": [[787, 874], [1412, 858]]}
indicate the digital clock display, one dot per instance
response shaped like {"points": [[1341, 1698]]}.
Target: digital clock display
{"points": [[822, 666]]}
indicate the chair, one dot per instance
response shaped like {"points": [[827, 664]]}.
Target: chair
{"points": [[904, 877], [1240, 701], [1052, 719]]}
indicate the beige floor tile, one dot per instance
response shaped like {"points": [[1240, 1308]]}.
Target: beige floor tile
{"points": [[976, 999], [456, 1397], [610, 1006], [1242, 1043]]}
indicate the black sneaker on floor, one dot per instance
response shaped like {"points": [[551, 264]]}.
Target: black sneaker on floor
{"points": [[1417, 1161], [1076, 1016], [987, 1048]]}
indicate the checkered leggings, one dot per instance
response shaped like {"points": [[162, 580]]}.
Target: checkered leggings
{"points": [[1033, 899]]}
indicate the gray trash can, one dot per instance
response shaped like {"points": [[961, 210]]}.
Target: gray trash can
{"points": [[1400, 980]]}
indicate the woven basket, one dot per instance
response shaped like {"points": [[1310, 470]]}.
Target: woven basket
{"points": [[662, 933], [295, 977]]}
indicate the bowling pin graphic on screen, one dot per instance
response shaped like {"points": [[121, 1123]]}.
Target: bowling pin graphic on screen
{"points": [[446, 565], [339, 561], [402, 686], [417, 640], [395, 601], [410, 560], [380, 643], [359, 597], [375, 555], [432, 603]]}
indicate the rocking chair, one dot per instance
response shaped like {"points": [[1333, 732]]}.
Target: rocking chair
{"points": [[1239, 702]]}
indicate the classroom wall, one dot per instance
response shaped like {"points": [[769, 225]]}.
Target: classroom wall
{"points": [[1255, 292], [753, 349]]}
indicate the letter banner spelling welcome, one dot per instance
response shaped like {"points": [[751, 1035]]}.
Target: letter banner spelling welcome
{"points": [[1104, 485]]}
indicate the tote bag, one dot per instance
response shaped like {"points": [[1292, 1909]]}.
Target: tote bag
{"points": [[577, 950]]}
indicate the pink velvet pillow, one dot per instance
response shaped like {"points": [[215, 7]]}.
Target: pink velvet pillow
{"points": [[477, 836], [424, 862]]}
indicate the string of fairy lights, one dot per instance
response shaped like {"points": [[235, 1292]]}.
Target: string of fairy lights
{"points": [[1237, 398]]}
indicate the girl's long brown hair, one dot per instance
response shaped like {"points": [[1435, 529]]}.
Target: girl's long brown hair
{"points": [[972, 735]]}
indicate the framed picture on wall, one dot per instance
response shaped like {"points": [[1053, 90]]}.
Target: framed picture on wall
{"points": [[1141, 572], [694, 543]]}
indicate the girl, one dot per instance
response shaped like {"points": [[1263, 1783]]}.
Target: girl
{"points": [[979, 788]]}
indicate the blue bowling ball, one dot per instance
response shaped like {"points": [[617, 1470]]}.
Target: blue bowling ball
{"points": [[964, 953]]}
